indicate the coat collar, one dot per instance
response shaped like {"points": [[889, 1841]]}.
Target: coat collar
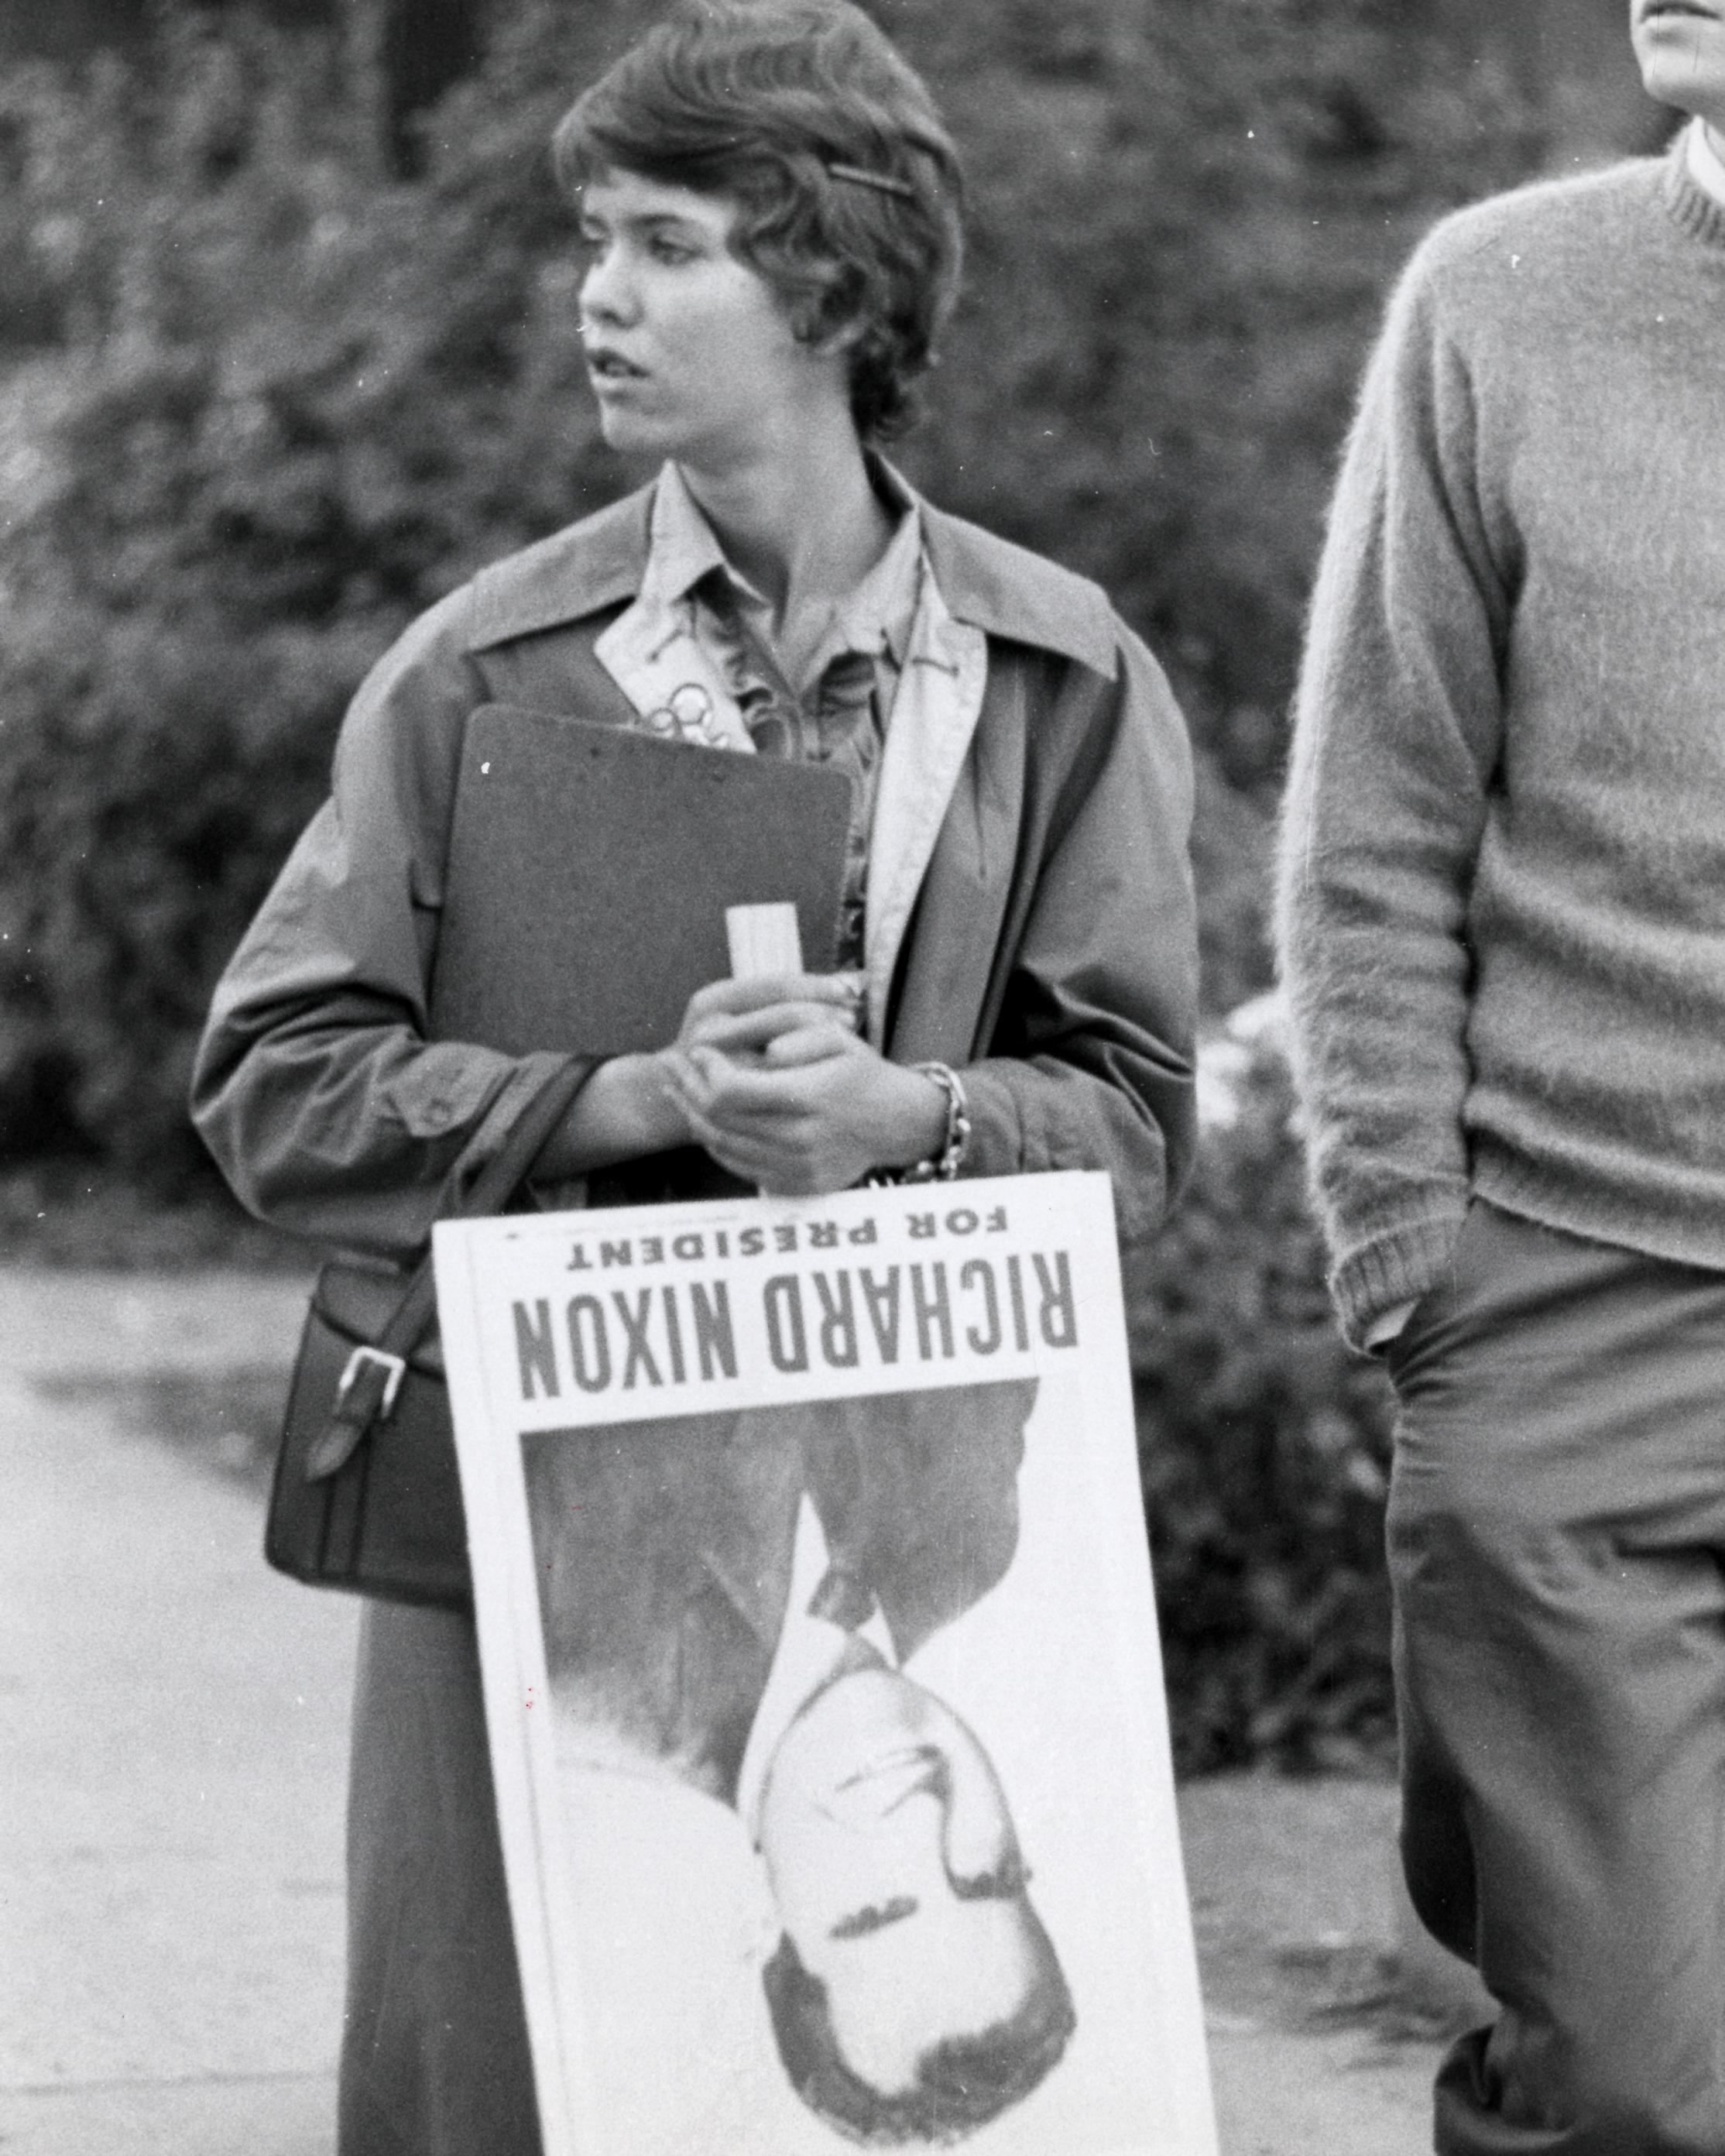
{"points": [[988, 584]]}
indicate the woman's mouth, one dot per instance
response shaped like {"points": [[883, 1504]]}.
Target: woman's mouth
{"points": [[606, 365]]}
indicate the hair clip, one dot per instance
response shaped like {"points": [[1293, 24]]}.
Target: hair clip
{"points": [[884, 181]]}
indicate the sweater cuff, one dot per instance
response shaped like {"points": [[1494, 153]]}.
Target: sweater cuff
{"points": [[1399, 1267]]}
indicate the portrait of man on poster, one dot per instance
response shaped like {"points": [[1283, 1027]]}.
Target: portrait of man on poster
{"points": [[730, 1601]]}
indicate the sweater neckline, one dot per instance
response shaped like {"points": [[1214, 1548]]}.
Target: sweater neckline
{"points": [[1688, 202]]}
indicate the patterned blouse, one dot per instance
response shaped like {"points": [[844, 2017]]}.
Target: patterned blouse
{"points": [[838, 711]]}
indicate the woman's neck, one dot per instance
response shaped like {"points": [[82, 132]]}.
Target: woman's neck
{"points": [[801, 521]]}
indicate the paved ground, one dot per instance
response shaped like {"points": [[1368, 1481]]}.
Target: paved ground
{"points": [[174, 1730]]}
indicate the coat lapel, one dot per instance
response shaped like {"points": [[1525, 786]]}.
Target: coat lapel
{"points": [[934, 717], [945, 996]]}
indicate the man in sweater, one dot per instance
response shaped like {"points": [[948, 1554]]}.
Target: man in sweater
{"points": [[1501, 915]]}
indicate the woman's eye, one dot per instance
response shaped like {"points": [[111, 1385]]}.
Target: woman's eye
{"points": [[672, 250]]}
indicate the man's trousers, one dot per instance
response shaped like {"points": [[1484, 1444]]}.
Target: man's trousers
{"points": [[1557, 1546]]}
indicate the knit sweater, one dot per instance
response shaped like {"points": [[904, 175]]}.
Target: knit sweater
{"points": [[1501, 891]]}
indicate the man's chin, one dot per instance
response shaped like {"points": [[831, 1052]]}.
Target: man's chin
{"points": [[861, 1712], [890, 2010], [1684, 71], [1693, 99]]}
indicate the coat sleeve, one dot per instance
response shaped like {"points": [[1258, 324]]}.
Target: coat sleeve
{"points": [[1397, 740], [315, 1086], [1090, 1059]]}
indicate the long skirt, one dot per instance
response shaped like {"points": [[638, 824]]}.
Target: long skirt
{"points": [[435, 2059]]}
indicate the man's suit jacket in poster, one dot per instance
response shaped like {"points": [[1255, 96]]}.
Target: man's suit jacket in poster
{"points": [[664, 1550]]}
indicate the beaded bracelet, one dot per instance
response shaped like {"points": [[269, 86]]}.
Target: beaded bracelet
{"points": [[943, 1166]]}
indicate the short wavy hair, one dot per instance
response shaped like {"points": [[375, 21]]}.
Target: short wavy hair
{"points": [[962, 2082], [847, 183]]}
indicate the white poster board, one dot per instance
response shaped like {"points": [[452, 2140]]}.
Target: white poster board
{"points": [[821, 1676]]}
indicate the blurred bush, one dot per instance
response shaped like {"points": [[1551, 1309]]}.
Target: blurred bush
{"points": [[1264, 1451], [263, 404]]}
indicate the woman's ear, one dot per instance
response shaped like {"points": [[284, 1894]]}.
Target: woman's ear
{"points": [[833, 340], [833, 322]]}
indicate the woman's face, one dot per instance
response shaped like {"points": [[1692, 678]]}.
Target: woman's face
{"points": [[689, 352]]}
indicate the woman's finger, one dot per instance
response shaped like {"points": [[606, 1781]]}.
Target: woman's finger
{"points": [[754, 1159], [684, 1078], [732, 999], [736, 1032], [814, 1043], [728, 1091]]}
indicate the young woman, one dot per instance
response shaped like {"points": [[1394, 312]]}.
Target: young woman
{"points": [[770, 205]]}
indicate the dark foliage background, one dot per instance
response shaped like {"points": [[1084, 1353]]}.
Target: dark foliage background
{"points": [[1264, 1453], [267, 387]]}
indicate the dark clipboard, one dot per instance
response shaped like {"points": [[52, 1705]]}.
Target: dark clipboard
{"points": [[589, 871]]}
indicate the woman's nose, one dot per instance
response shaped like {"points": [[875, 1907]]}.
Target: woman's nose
{"points": [[606, 291]]}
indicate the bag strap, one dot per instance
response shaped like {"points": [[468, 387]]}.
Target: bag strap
{"points": [[512, 1163], [375, 1370]]}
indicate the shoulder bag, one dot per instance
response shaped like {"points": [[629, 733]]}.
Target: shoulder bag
{"points": [[367, 1495]]}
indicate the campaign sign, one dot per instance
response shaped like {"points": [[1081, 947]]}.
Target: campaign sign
{"points": [[821, 1678]]}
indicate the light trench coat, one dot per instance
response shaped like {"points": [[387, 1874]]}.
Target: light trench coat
{"points": [[1031, 922]]}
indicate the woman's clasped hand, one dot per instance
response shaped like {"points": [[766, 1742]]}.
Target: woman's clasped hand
{"points": [[773, 1078]]}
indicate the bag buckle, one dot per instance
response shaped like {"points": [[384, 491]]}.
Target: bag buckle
{"points": [[393, 1366]]}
